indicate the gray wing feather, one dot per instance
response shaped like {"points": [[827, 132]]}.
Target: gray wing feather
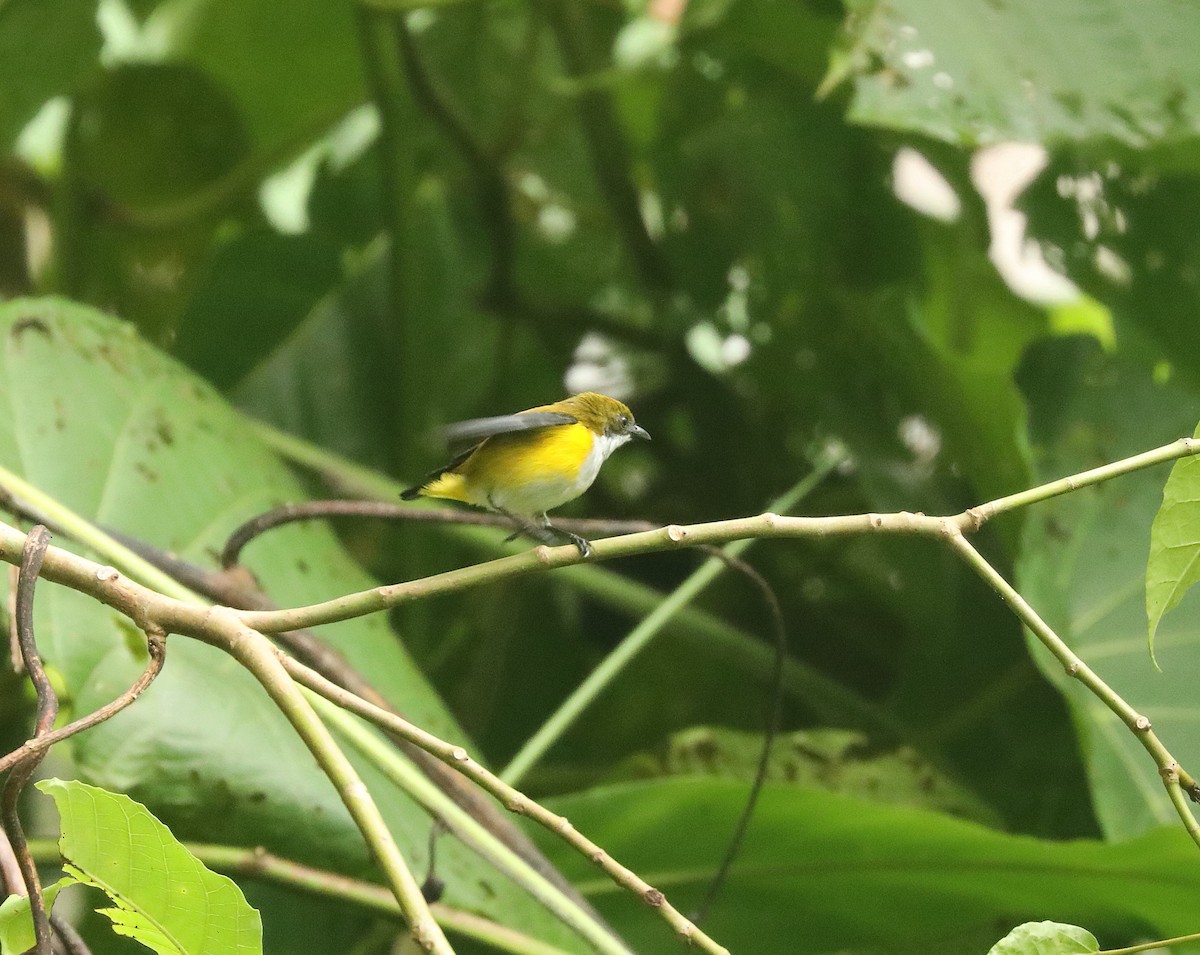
{"points": [[464, 433]]}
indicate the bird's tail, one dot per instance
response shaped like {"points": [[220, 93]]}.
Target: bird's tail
{"points": [[443, 484]]}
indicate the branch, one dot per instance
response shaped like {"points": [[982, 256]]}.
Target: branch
{"points": [[499, 843], [1173, 776], [675, 536], [639, 638], [33, 553], [512, 799], [220, 627], [826, 699], [156, 645], [259, 864], [231, 630], [380, 510]]}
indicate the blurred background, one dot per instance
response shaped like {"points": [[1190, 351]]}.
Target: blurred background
{"points": [[949, 245]]}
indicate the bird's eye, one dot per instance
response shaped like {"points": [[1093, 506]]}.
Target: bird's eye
{"points": [[623, 420]]}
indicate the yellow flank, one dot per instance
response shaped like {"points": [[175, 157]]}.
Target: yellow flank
{"points": [[512, 460]]}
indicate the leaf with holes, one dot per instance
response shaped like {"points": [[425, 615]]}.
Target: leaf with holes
{"points": [[980, 71]]}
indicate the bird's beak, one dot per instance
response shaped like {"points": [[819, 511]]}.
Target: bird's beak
{"points": [[637, 431]]}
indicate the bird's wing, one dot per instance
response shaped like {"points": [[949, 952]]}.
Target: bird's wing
{"points": [[470, 433]]}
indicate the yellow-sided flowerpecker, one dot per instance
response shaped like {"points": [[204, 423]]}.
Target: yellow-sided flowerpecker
{"points": [[525, 464]]}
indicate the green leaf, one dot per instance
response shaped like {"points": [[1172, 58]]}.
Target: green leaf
{"points": [[293, 67], [1174, 564], [46, 48], [1050, 71], [149, 165], [834, 760], [1083, 568], [16, 924], [149, 133], [128, 438], [821, 872], [165, 897], [258, 289], [1121, 225], [1046, 938]]}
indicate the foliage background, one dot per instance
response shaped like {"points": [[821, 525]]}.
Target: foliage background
{"points": [[695, 208]]}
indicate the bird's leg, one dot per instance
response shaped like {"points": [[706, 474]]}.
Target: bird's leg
{"points": [[538, 532], [542, 531], [585, 548]]}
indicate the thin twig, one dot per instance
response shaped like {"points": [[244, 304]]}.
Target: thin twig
{"points": [[227, 629], [258, 863], [380, 510], [1147, 946], [33, 553], [219, 627], [14, 639], [511, 798], [156, 646], [582, 697], [774, 719], [11, 879], [237, 588], [827, 700], [675, 536], [72, 942], [1169, 770], [475, 837]]}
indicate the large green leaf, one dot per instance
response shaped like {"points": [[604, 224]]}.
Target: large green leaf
{"points": [[977, 71], [1083, 568], [128, 438], [163, 895], [822, 872]]}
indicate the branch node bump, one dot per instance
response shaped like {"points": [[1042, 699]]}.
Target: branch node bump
{"points": [[105, 574], [1142, 723], [676, 533], [1072, 668], [542, 551], [654, 898], [1170, 773], [875, 520], [458, 754], [771, 520]]}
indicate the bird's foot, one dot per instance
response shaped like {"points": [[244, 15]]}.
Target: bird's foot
{"points": [[585, 548]]}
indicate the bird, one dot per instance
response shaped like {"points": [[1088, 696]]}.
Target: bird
{"points": [[525, 464]]}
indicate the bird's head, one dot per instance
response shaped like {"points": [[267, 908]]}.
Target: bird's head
{"points": [[603, 416]]}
